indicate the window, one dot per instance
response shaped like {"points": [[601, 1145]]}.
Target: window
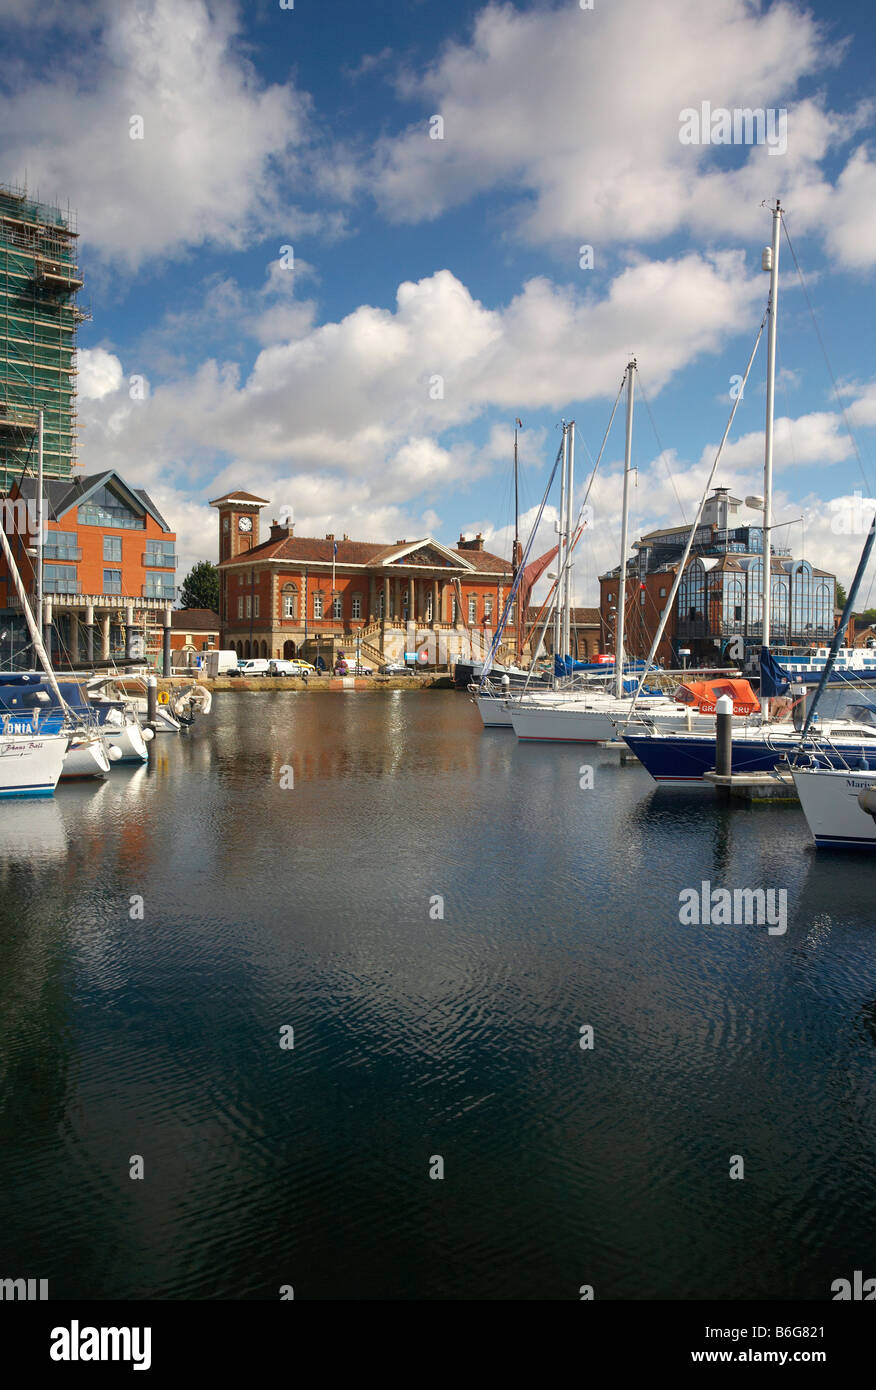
{"points": [[290, 601], [357, 605], [159, 586], [256, 606], [112, 581], [612, 599], [60, 579], [317, 604], [662, 593], [105, 507], [112, 548], [454, 610], [160, 555], [336, 608], [472, 609], [240, 606], [249, 605], [61, 545], [488, 611]]}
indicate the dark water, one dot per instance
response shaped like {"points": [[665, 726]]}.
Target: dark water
{"points": [[415, 1036]]}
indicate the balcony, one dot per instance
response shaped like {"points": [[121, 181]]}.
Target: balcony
{"points": [[159, 595], [69, 555], [160, 560], [61, 586]]}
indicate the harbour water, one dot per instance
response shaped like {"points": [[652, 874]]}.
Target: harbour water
{"points": [[155, 1032]]}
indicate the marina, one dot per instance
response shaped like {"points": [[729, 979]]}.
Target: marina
{"points": [[416, 1035], [437, 674]]}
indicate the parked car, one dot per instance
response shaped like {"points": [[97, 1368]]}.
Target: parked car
{"points": [[280, 667], [257, 666], [397, 668], [349, 666]]}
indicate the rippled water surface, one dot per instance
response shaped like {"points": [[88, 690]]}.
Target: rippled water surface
{"points": [[416, 1036]]}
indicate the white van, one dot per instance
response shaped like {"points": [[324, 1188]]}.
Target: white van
{"points": [[219, 663], [256, 666]]}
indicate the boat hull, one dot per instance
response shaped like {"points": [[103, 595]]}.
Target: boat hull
{"points": [[684, 760], [579, 722], [494, 711], [85, 757], [31, 766], [833, 813]]}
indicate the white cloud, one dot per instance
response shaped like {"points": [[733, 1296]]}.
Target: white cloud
{"points": [[575, 116], [100, 373], [215, 135]]}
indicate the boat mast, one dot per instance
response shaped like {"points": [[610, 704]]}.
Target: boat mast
{"points": [[625, 518], [570, 486], [561, 528], [515, 562], [770, 262], [39, 521]]}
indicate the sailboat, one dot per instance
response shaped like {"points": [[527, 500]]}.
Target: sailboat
{"points": [[685, 757], [115, 734], [585, 714], [838, 796], [32, 746]]}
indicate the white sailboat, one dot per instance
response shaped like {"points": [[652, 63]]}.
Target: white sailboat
{"points": [[31, 757], [839, 805]]}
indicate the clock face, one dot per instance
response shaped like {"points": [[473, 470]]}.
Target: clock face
{"points": [[245, 523]]}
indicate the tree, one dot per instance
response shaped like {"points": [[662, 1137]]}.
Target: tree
{"points": [[840, 595], [200, 587]]}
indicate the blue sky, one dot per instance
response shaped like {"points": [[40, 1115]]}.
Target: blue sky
{"points": [[309, 377]]}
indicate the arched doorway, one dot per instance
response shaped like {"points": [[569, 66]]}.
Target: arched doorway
{"points": [[240, 649], [264, 651], [246, 649], [288, 651]]}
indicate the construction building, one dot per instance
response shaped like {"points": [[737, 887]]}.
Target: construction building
{"points": [[39, 280]]}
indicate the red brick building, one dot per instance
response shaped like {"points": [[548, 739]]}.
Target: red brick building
{"points": [[293, 595], [194, 631]]}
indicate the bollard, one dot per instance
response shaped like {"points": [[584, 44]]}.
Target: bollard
{"points": [[724, 736], [151, 699]]}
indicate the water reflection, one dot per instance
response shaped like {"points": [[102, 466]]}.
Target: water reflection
{"points": [[417, 1033]]}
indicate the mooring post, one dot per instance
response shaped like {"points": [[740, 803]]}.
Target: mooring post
{"points": [[724, 736], [152, 700]]}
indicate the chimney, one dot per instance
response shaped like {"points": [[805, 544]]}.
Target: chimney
{"points": [[330, 535], [280, 533], [476, 544]]}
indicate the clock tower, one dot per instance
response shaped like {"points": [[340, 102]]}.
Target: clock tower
{"points": [[238, 523]]}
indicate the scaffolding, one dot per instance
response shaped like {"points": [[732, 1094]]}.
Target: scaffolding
{"points": [[38, 321]]}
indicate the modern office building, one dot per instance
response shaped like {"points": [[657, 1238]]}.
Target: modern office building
{"points": [[720, 597]]}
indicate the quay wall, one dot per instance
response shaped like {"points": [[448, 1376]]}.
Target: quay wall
{"points": [[328, 683]]}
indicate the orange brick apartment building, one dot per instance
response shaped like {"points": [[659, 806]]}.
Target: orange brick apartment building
{"points": [[293, 595], [109, 569]]}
